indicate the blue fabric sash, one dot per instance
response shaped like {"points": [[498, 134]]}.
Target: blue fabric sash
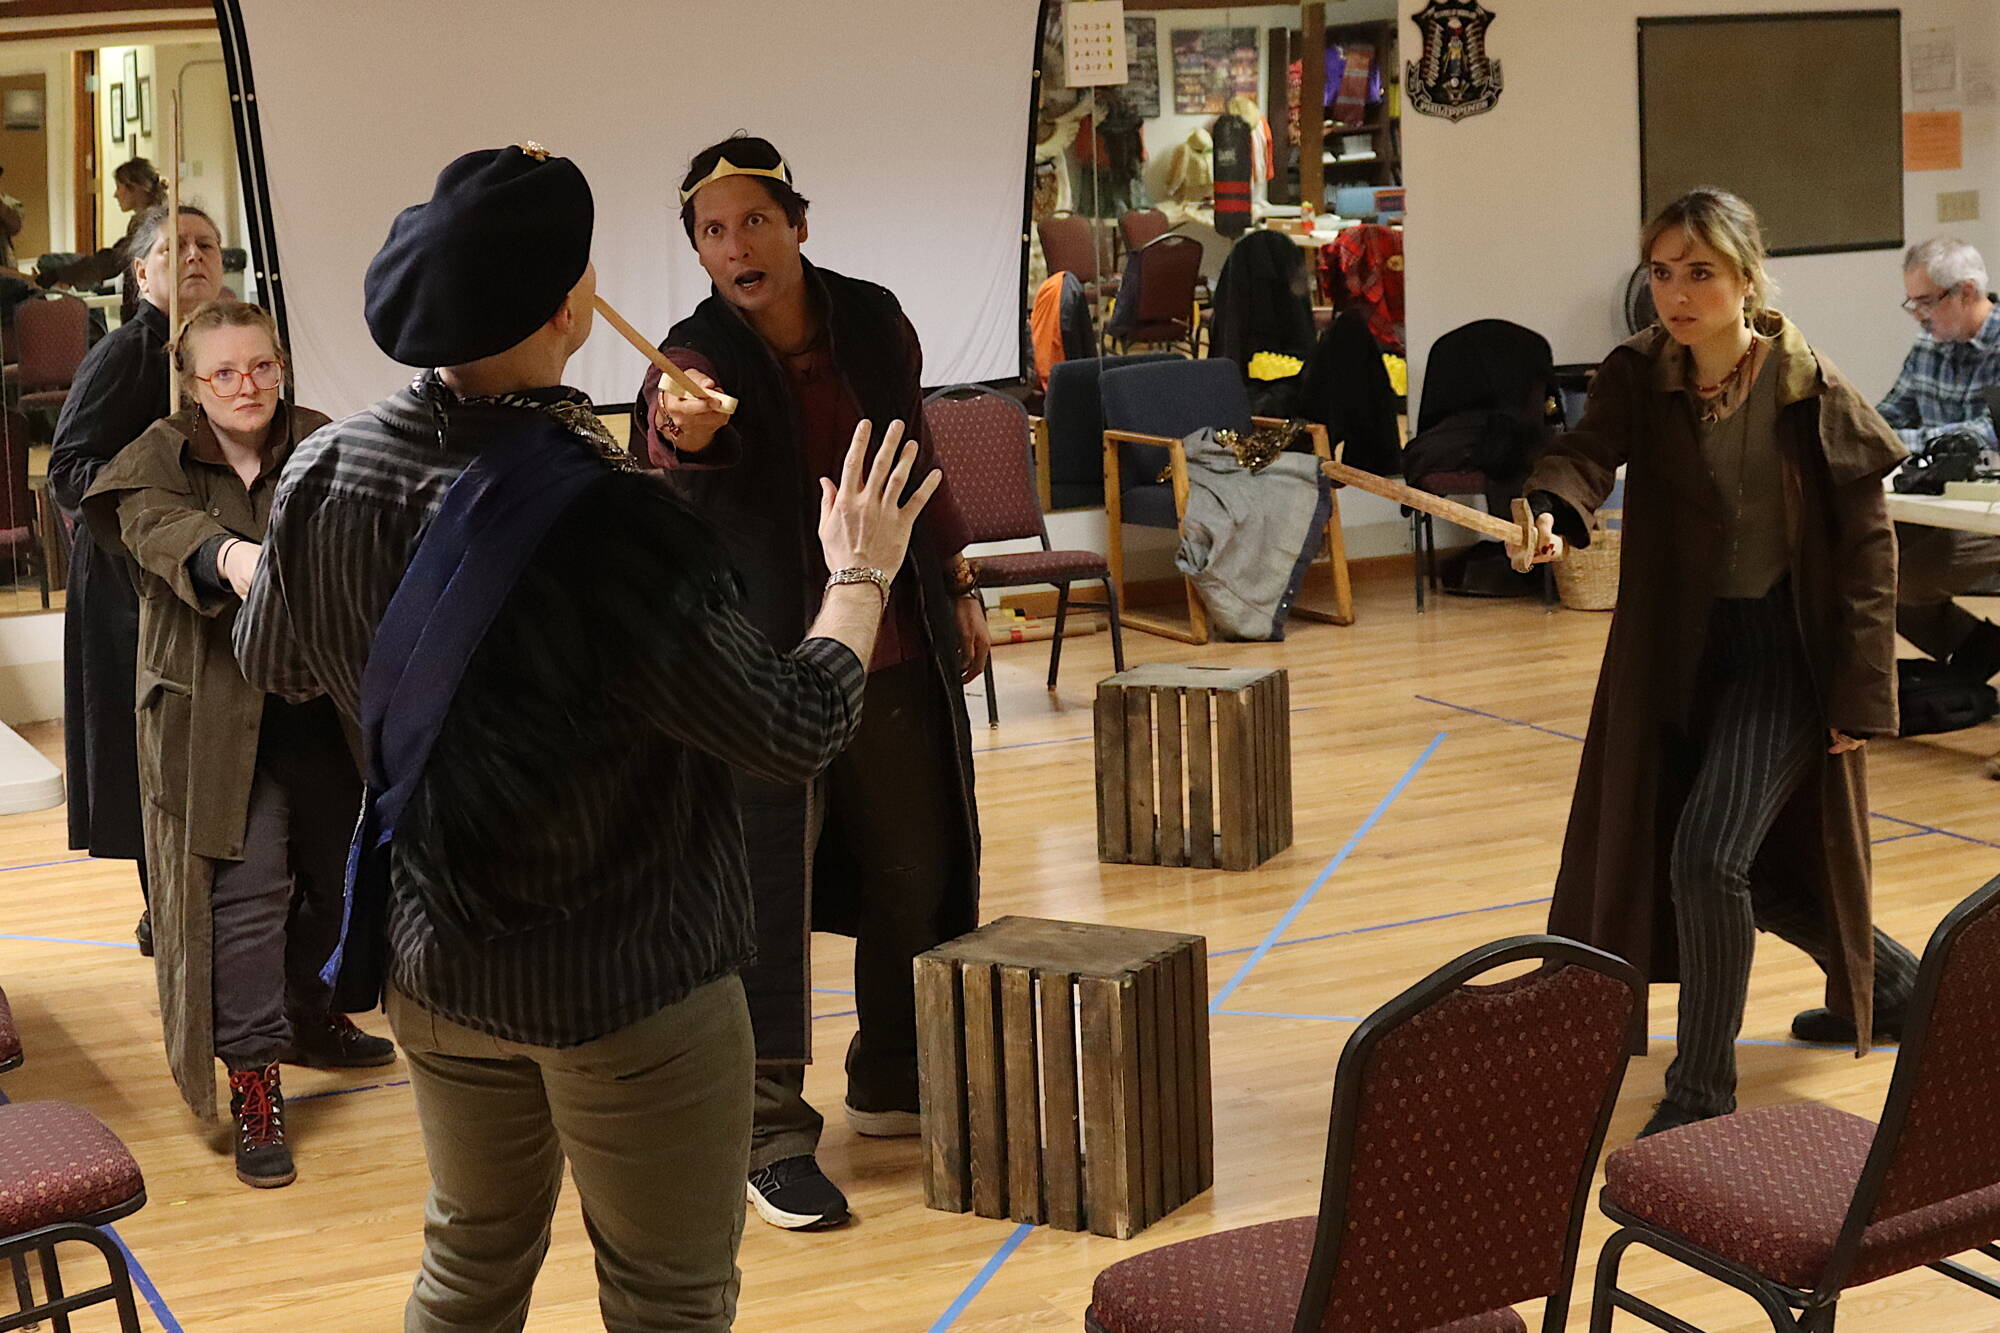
{"points": [[466, 563]]}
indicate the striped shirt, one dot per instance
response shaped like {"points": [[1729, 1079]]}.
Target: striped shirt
{"points": [[1942, 387], [581, 790]]}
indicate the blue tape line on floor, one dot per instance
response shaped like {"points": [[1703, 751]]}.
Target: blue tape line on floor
{"points": [[44, 865], [345, 1092], [1386, 925], [1319, 882], [142, 1281], [58, 939], [1533, 726], [985, 1275], [1013, 1242], [838, 1013]]}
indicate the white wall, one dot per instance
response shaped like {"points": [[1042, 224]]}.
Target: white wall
{"points": [[1530, 212]]}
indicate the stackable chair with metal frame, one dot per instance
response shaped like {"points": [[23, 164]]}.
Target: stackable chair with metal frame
{"points": [[1148, 411], [1466, 1125], [1797, 1204], [52, 334], [1166, 271], [983, 443], [64, 1177]]}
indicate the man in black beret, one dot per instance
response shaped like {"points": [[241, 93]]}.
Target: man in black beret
{"points": [[886, 847], [548, 663]]}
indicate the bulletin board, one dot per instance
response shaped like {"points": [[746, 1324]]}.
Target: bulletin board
{"points": [[1801, 114]]}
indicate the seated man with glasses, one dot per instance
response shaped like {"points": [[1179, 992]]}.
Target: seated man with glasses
{"points": [[1942, 390]]}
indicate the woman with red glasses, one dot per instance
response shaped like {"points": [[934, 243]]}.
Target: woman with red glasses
{"points": [[249, 801]]}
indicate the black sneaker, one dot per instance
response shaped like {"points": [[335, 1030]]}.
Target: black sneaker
{"points": [[793, 1193], [1823, 1027], [257, 1103], [895, 1122], [144, 934], [1670, 1114], [331, 1041]]}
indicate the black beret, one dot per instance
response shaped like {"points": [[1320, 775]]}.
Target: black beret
{"points": [[491, 257]]}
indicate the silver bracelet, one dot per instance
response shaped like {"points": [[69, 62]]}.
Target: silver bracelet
{"points": [[860, 574]]}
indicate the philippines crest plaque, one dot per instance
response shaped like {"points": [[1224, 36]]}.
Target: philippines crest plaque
{"points": [[1454, 78]]}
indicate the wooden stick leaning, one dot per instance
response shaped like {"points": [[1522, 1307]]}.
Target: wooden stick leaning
{"points": [[667, 368], [1521, 532], [173, 128]]}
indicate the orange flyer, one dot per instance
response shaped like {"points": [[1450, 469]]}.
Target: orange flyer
{"points": [[1933, 140]]}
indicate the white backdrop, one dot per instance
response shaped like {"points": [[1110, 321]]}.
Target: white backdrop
{"points": [[905, 124]]}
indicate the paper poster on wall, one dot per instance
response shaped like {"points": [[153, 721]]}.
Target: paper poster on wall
{"points": [[1933, 141], [1982, 81], [1212, 65], [1142, 66], [1093, 43], [1933, 63]]}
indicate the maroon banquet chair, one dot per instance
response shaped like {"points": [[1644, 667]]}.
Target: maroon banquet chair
{"points": [[64, 1177], [20, 538], [12, 1053], [982, 440], [1073, 244], [1796, 1204], [52, 334], [1167, 271], [1139, 226], [1467, 1121]]}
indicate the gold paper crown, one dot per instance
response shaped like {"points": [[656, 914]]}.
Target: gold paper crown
{"points": [[724, 167]]}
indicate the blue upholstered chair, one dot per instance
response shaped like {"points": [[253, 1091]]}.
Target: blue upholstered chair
{"points": [[1148, 410]]}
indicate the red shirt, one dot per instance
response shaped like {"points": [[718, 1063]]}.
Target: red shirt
{"points": [[828, 414]]}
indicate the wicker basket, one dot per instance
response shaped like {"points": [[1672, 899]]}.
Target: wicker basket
{"points": [[1587, 576]]}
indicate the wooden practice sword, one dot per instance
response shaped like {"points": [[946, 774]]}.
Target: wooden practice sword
{"points": [[1522, 531], [673, 372]]}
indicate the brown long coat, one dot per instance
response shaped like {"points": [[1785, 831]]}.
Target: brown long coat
{"points": [[1613, 889], [162, 498]]}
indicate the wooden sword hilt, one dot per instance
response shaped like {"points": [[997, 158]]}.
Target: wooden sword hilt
{"points": [[1530, 538], [679, 377]]}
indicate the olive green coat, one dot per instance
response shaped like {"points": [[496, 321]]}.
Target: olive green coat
{"points": [[1612, 890], [164, 496]]}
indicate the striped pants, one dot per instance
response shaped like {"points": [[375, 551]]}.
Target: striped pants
{"points": [[1762, 734]]}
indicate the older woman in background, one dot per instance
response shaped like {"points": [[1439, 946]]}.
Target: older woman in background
{"points": [[249, 800], [120, 389]]}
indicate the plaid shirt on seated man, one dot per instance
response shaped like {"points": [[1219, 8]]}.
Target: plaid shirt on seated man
{"points": [[1941, 387]]}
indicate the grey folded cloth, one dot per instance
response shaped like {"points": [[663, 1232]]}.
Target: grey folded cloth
{"points": [[1248, 537]]}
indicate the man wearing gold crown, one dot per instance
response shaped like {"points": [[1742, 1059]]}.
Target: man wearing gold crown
{"points": [[883, 846]]}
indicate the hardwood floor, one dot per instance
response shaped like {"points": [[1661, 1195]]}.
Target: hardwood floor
{"points": [[1433, 760]]}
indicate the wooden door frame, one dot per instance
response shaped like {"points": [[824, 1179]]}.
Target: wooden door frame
{"points": [[83, 149]]}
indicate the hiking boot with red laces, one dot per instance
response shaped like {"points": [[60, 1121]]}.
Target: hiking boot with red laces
{"points": [[331, 1041], [263, 1161]]}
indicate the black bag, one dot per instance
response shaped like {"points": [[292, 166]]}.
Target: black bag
{"points": [[1953, 456], [1932, 697]]}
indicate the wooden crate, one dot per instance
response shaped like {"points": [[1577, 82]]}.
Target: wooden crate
{"points": [[1194, 766], [1064, 1072]]}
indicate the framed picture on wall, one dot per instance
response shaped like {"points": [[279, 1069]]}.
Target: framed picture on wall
{"points": [[26, 109], [116, 116], [146, 105], [131, 68]]}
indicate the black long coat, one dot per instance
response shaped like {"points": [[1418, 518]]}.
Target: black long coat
{"points": [[766, 508], [119, 391]]}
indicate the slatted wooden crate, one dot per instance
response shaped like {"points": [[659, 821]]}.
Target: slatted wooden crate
{"points": [[1194, 766], [1065, 1075]]}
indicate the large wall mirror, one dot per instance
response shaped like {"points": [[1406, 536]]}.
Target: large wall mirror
{"points": [[82, 92], [1123, 159]]}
